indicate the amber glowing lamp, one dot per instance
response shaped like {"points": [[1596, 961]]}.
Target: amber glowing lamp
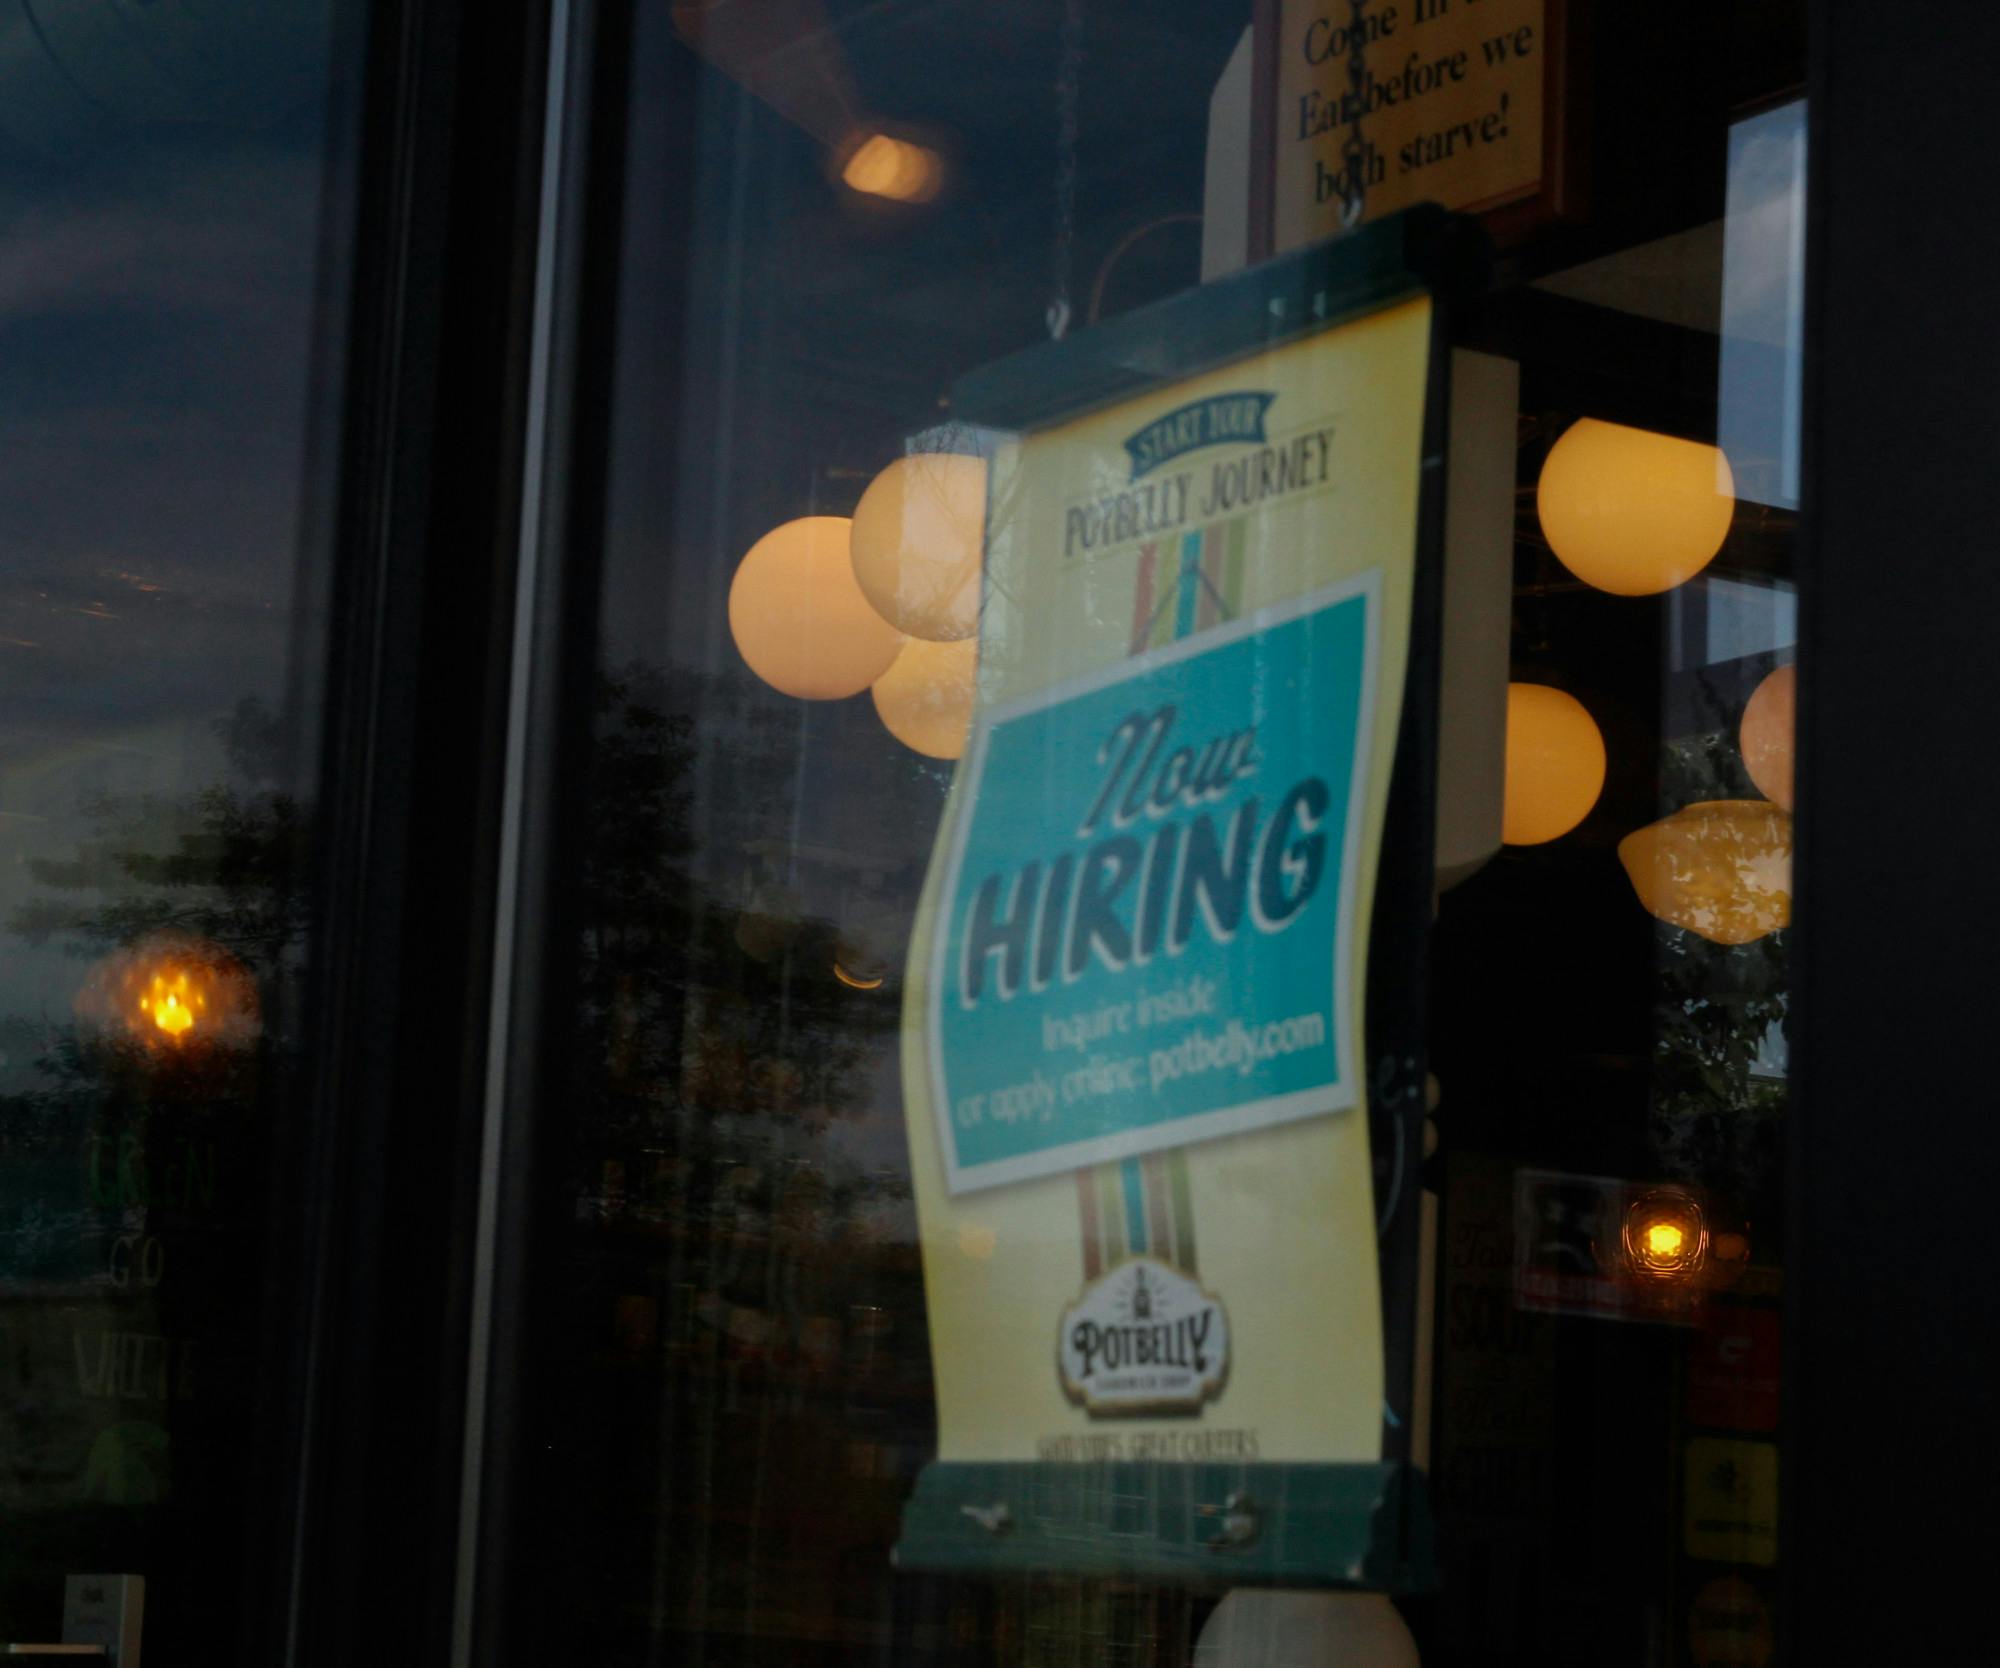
{"points": [[799, 618], [170, 1004], [171, 992], [1666, 1236], [1721, 868], [1555, 764], [918, 533], [881, 165], [1633, 512], [1765, 736], [925, 698]]}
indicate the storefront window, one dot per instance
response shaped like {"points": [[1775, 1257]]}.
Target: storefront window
{"points": [[166, 197], [1171, 1002]]}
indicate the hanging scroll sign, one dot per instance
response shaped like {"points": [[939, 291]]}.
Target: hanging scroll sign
{"points": [[1137, 1027]]}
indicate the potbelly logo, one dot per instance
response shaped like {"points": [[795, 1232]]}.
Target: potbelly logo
{"points": [[1144, 1339]]}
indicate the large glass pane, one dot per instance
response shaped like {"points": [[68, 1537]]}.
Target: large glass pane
{"points": [[166, 204], [768, 1375]]}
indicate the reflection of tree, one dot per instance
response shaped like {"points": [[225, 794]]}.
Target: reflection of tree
{"points": [[1719, 1007], [688, 1047], [734, 1264], [224, 863], [682, 1037], [134, 1171], [712, 1074], [1719, 1016]]}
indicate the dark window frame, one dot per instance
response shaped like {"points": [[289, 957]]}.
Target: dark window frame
{"points": [[357, 1536]]}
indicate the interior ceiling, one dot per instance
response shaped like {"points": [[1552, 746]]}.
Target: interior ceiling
{"points": [[886, 305], [981, 81], [1673, 280]]}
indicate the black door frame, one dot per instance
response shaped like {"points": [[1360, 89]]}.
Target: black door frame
{"points": [[356, 1550], [1893, 1308]]}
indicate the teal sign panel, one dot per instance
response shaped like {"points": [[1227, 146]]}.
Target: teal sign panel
{"points": [[1150, 898]]}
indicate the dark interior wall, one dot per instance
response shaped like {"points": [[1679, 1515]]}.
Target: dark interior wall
{"points": [[1895, 1315]]}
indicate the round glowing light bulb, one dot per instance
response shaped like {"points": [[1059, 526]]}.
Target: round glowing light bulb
{"points": [[798, 617], [1555, 764], [1666, 1235], [1766, 736], [918, 533], [925, 698], [1632, 512]]}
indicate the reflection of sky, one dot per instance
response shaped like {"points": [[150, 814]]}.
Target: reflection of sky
{"points": [[1746, 619], [156, 313], [1763, 300]]}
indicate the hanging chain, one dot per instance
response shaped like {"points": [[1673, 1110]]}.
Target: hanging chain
{"points": [[1354, 153], [1069, 77]]}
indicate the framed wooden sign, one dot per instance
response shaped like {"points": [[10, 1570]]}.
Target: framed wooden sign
{"points": [[1464, 103]]}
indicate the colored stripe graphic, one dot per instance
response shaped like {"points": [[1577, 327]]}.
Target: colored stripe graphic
{"points": [[1206, 604], [1177, 1178], [1093, 1229], [1135, 1206], [1144, 1206], [1111, 1213], [1142, 597], [1159, 1213], [1161, 621], [1190, 592]]}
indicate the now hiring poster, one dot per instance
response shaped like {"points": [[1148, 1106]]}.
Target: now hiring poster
{"points": [[1132, 1044]]}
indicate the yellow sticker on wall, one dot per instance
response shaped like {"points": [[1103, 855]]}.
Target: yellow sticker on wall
{"points": [[1731, 1511]]}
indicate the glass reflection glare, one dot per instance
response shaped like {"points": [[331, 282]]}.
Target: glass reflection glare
{"points": [[897, 169]]}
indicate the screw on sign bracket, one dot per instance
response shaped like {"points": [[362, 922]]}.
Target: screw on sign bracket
{"points": [[995, 1519], [1241, 1523]]}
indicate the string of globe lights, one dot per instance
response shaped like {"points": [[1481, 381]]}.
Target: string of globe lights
{"points": [[887, 600], [1633, 513], [824, 607]]}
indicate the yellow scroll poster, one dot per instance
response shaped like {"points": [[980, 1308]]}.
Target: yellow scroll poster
{"points": [[1133, 1031]]}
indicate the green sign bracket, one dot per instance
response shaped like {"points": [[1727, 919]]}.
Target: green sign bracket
{"points": [[1420, 250], [1363, 1526]]}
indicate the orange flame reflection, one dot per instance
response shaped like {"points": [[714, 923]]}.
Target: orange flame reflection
{"points": [[171, 1005], [172, 991]]}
